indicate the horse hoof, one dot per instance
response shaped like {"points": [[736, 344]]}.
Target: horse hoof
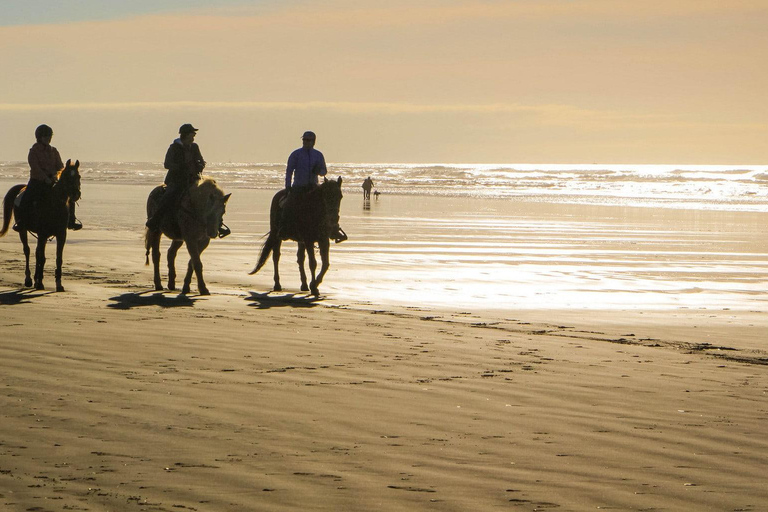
{"points": [[315, 292], [59, 288], [304, 288], [28, 283], [158, 288], [185, 290], [39, 286], [205, 291], [172, 287], [277, 288]]}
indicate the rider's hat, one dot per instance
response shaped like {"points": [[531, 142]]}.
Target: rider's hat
{"points": [[187, 128], [43, 131]]}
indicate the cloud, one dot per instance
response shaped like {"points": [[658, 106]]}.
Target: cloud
{"points": [[553, 113]]}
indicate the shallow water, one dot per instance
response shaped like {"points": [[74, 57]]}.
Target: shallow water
{"points": [[499, 254]]}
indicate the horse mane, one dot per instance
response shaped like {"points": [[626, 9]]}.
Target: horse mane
{"points": [[61, 171], [202, 191]]}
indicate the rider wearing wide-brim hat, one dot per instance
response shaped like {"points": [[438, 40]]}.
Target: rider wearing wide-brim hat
{"points": [[44, 166]]}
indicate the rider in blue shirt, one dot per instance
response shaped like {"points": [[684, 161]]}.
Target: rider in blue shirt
{"points": [[305, 165]]}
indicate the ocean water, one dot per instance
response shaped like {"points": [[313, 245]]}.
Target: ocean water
{"points": [[476, 237], [708, 187]]}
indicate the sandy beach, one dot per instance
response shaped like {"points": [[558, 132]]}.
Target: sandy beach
{"points": [[558, 358]]}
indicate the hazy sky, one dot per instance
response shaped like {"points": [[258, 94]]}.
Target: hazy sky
{"points": [[503, 81]]}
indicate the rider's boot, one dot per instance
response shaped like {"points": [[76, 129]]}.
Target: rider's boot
{"points": [[338, 235], [75, 225], [224, 230]]}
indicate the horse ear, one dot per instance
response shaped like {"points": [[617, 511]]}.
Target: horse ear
{"points": [[77, 164], [339, 180], [325, 180], [226, 197], [69, 162]]}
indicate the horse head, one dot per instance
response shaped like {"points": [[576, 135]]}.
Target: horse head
{"points": [[210, 204], [331, 194], [68, 184]]}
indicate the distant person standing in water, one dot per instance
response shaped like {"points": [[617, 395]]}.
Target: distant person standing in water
{"points": [[304, 167], [367, 186], [44, 166]]}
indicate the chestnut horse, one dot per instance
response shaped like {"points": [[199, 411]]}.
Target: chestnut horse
{"points": [[48, 217], [194, 223], [317, 220]]}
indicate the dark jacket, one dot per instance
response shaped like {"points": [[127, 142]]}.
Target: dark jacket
{"points": [[44, 162], [184, 164]]}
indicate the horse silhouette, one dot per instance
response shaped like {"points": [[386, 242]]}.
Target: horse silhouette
{"points": [[194, 223], [317, 220], [47, 218]]}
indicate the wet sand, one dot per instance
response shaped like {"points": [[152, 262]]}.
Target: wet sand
{"points": [[116, 397]]}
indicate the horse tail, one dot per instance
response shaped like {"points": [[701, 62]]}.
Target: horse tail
{"points": [[275, 211], [266, 250], [8, 207]]}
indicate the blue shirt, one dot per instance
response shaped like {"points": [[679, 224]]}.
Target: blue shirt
{"points": [[305, 166]]}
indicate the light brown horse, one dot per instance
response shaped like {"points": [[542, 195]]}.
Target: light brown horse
{"points": [[194, 223], [317, 219], [47, 218]]}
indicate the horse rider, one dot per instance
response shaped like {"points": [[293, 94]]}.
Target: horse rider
{"points": [[44, 167], [185, 165], [301, 176]]}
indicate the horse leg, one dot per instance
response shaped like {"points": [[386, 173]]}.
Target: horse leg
{"points": [[196, 264], [61, 239], [154, 242], [300, 260], [312, 266], [324, 246], [40, 262], [276, 264], [25, 244], [172, 250]]}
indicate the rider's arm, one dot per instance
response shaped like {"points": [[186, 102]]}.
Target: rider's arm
{"points": [[199, 160], [174, 162], [319, 167], [290, 168]]}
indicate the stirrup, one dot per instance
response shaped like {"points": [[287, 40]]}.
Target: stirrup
{"points": [[339, 236], [224, 230], [16, 228], [75, 225]]}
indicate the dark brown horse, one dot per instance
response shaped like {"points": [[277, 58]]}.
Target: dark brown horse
{"points": [[317, 220], [47, 218], [194, 223]]}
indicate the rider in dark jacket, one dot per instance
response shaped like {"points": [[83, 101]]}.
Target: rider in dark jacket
{"points": [[185, 165]]}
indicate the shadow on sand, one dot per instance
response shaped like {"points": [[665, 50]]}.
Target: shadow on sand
{"points": [[20, 296], [267, 301], [150, 298]]}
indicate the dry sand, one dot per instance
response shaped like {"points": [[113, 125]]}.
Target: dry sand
{"points": [[114, 397]]}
